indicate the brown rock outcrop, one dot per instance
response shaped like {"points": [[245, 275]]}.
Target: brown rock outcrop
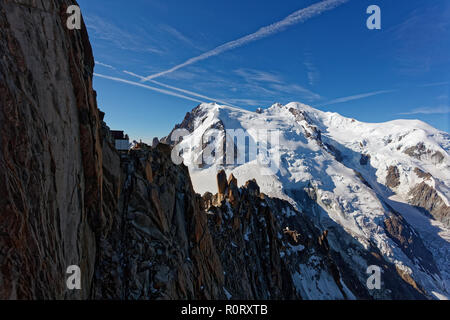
{"points": [[393, 177], [253, 188], [406, 238], [323, 241], [222, 183], [233, 191], [420, 151], [427, 198], [422, 174]]}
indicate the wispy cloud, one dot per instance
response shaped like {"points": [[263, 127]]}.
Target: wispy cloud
{"points": [[443, 97], [312, 71], [297, 17], [198, 95], [102, 29], [435, 84], [138, 84], [295, 89], [356, 97], [252, 75], [104, 65], [273, 84], [429, 110], [178, 35], [250, 102], [417, 38]]}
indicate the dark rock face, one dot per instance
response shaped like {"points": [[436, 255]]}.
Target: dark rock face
{"points": [[252, 187], [323, 241], [160, 246], [335, 152], [246, 237], [311, 130], [426, 197], [50, 152], [365, 158], [411, 244], [222, 182], [422, 174], [393, 177], [363, 180], [187, 123], [155, 142]]}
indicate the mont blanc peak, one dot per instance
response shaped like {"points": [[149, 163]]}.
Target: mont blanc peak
{"points": [[379, 185]]}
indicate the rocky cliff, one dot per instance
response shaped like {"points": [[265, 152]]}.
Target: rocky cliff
{"points": [[159, 246], [50, 152]]}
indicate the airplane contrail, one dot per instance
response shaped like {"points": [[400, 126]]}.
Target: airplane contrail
{"points": [[198, 95], [297, 17], [137, 84], [354, 97]]}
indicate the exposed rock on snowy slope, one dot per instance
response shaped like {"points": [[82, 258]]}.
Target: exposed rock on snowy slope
{"points": [[426, 197], [168, 243], [277, 252], [362, 175]]}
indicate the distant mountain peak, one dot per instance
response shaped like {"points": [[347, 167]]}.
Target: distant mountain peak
{"points": [[359, 173]]}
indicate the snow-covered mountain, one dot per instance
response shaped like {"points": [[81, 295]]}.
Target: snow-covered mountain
{"points": [[380, 189]]}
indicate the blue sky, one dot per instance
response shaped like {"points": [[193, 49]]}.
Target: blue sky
{"points": [[326, 58]]}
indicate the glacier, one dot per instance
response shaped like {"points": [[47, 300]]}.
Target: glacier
{"points": [[361, 175]]}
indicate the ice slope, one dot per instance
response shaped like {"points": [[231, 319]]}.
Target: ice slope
{"points": [[353, 196], [387, 143]]}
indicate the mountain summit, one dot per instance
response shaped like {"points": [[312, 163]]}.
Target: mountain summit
{"points": [[383, 186]]}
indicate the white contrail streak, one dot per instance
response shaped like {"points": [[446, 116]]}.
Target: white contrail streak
{"points": [[428, 110], [356, 97], [198, 95], [104, 65], [137, 84], [297, 17]]}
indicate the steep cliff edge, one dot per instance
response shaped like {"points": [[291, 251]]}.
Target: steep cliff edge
{"points": [[160, 246], [50, 152]]}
